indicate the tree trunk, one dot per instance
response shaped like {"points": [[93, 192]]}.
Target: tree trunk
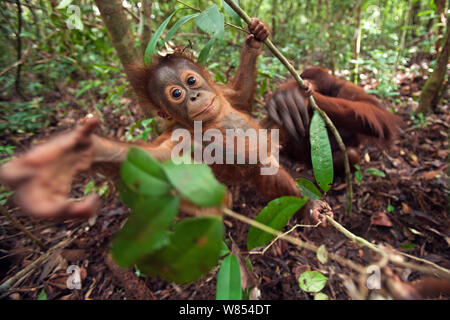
{"points": [[329, 26], [441, 9], [146, 17], [357, 50], [119, 31], [274, 15], [435, 85], [416, 8], [403, 37]]}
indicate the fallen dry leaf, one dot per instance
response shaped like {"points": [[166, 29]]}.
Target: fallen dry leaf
{"points": [[405, 208]]}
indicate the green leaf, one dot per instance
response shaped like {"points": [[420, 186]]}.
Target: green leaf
{"points": [[263, 87], [312, 281], [151, 47], [358, 174], [42, 295], [103, 191], [321, 157], [194, 248], [308, 188], [408, 246], [375, 172], [4, 197], [63, 4], [147, 163], [425, 12], [138, 272], [390, 208], [224, 249], [275, 215], [195, 182], [84, 89], [211, 20], [178, 25], [321, 296], [249, 263], [146, 229], [322, 254], [89, 187], [234, 16], [204, 53], [143, 174], [229, 280]]}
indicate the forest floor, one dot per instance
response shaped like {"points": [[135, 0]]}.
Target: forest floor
{"points": [[407, 209]]}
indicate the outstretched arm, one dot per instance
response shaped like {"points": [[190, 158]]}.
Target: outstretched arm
{"points": [[240, 92], [43, 176], [359, 117]]}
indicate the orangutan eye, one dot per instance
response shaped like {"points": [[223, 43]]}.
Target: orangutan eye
{"points": [[191, 81], [176, 93]]}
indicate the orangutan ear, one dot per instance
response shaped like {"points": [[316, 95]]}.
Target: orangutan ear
{"points": [[138, 77]]}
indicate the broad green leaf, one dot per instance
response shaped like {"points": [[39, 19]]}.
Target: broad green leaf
{"points": [[308, 188], [390, 208], [146, 229], [275, 215], [321, 296], [375, 172], [322, 254], [143, 174], [63, 4], [211, 20], [234, 16], [312, 281], [178, 25], [321, 157], [146, 162], [229, 280], [151, 47], [193, 249], [195, 182]]}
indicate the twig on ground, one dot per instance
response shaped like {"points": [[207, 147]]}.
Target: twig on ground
{"points": [[20, 226], [393, 256], [283, 234], [19, 276]]}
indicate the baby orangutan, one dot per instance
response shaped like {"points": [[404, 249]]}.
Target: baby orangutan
{"points": [[181, 90]]}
